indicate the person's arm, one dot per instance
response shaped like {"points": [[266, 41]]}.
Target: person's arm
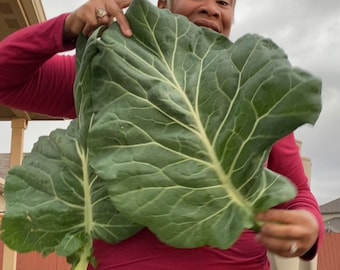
{"points": [[286, 160], [33, 77]]}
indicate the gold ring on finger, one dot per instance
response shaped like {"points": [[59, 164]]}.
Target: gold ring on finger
{"points": [[293, 248], [101, 13]]}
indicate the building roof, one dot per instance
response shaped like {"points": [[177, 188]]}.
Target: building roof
{"points": [[328, 256], [332, 207], [331, 215], [18, 14]]}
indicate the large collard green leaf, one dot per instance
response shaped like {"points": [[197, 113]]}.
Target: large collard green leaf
{"points": [[181, 121], [56, 203], [184, 121]]}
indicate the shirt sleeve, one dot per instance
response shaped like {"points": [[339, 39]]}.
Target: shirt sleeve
{"points": [[33, 76], [285, 159]]}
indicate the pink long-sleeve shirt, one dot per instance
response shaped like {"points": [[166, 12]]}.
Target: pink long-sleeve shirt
{"points": [[33, 77]]}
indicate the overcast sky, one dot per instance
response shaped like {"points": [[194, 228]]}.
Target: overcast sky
{"points": [[309, 33]]}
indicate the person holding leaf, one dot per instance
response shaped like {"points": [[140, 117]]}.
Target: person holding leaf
{"points": [[36, 78]]}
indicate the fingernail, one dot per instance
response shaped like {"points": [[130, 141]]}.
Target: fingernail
{"points": [[128, 32]]}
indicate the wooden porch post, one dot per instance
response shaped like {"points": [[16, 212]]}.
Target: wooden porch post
{"points": [[17, 142]]}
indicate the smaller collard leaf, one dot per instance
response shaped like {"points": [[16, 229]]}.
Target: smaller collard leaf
{"points": [[56, 203], [183, 123]]}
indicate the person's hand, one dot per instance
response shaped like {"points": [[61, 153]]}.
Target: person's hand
{"points": [[288, 233], [87, 18]]}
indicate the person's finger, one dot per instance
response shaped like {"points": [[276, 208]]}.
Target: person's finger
{"points": [[282, 247], [283, 230], [124, 3], [279, 215], [90, 25], [124, 25], [115, 9]]}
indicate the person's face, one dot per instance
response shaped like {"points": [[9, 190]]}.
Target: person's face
{"points": [[217, 15]]}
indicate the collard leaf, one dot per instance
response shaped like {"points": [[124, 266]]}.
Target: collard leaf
{"points": [[56, 203], [184, 121], [174, 127]]}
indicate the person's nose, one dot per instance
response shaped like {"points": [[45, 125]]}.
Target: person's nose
{"points": [[210, 8]]}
